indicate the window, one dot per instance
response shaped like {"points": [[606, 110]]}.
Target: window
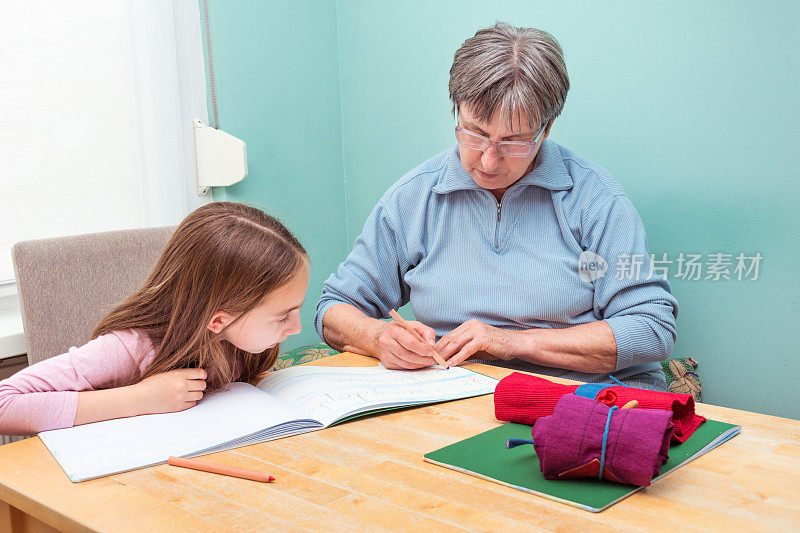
{"points": [[98, 99]]}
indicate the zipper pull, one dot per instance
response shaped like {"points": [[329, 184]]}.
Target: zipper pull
{"points": [[498, 211]]}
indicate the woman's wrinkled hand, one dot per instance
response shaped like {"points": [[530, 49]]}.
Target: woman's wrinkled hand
{"points": [[400, 349], [475, 337]]}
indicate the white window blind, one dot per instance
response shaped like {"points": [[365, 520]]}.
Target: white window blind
{"points": [[93, 133]]}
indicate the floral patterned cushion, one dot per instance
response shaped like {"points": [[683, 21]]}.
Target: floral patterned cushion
{"points": [[303, 355], [682, 376]]}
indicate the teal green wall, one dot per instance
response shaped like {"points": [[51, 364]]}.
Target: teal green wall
{"points": [[277, 77], [692, 106]]}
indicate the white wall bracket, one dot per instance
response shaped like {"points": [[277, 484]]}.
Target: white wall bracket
{"points": [[221, 158]]}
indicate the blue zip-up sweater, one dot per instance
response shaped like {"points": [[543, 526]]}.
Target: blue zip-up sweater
{"points": [[442, 242]]}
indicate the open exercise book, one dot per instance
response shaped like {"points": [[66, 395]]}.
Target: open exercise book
{"points": [[287, 402]]}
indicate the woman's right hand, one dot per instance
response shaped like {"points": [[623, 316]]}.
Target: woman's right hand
{"points": [[171, 391], [399, 349]]}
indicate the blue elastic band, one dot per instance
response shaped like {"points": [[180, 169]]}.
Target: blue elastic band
{"points": [[591, 390], [605, 439], [618, 381], [513, 443]]}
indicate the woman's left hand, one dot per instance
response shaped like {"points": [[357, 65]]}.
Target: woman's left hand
{"points": [[474, 336]]}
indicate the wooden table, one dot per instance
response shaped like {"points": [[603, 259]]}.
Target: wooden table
{"points": [[368, 475]]}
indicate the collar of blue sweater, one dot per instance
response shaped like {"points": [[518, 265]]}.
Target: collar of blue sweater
{"points": [[549, 172]]}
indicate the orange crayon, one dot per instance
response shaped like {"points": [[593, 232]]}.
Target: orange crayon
{"points": [[220, 469]]}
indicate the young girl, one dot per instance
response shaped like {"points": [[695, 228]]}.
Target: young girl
{"points": [[225, 292]]}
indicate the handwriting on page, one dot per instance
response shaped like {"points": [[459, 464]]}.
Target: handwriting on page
{"points": [[328, 394]]}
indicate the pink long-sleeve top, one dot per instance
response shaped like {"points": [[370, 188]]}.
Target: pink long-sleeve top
{"points": [[45, 395]]}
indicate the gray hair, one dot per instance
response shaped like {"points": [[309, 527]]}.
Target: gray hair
{"points": [[510, 69]]}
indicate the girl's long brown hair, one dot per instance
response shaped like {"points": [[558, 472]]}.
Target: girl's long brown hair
{"points": [[223, 257]]}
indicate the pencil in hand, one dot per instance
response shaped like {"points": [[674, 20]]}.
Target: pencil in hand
{"points": [[220, 469], [406, 326]]}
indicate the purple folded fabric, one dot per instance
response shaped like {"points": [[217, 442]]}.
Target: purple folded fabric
{"points": [[569, 442]]}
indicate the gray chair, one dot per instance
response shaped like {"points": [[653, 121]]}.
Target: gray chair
{"points": [[67, 285]]}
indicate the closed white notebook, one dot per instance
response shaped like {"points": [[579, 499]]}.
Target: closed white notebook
{"points": [[286, 402]]}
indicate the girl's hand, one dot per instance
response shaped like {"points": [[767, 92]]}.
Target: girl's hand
{"points": [[171, 391]]}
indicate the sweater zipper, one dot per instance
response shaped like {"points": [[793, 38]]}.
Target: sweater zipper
{"points": [[497, 228]]}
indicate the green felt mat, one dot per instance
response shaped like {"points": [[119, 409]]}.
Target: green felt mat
{"points": [[485, 455]]}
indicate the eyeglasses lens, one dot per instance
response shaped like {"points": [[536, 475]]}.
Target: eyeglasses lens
{"points": [[479, 142], [470, 140], [515, 150]]}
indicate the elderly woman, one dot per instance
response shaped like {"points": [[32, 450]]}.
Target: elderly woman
{"points": [[511, 248]]}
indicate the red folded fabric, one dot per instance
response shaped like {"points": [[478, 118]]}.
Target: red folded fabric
{"points": [[685, 420], [524, 399]]}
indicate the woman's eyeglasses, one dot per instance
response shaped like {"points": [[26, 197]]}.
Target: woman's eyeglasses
{"points": [[473, 141]]}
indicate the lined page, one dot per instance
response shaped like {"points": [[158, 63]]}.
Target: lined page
{"points": [[328, 394]]}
